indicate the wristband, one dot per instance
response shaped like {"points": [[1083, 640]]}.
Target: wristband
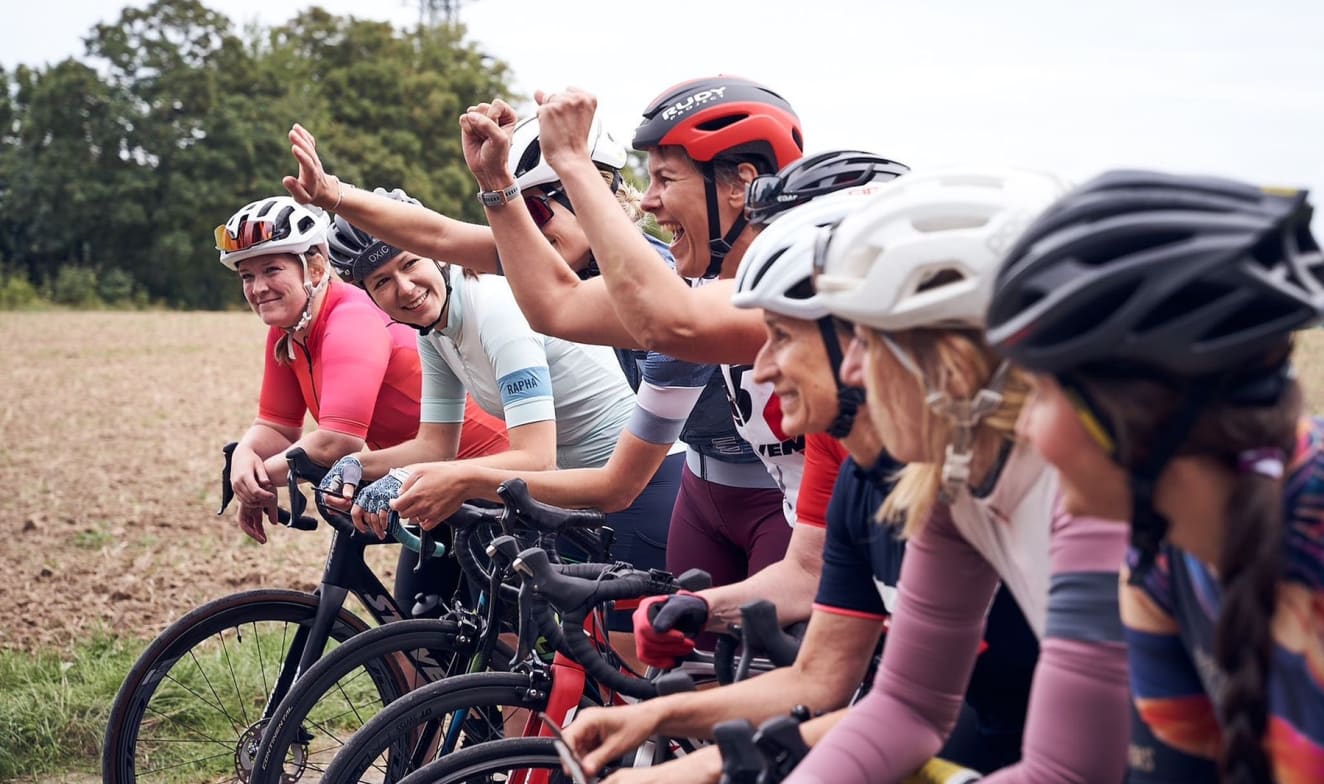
{"points": [[499, 198]]}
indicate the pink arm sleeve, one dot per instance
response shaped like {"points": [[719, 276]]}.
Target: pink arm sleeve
{"points": [[281, 400], [1077, 726], [354, 353], [946, 588]]}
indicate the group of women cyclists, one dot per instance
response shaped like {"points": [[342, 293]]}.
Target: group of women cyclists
{"points": [[1044, 442]]}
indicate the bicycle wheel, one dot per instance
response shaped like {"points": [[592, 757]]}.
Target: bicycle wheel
{"points": [[459, 712], [497, 761], [329, 702], [191, 706]]}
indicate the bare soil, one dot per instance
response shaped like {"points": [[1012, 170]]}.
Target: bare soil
{"points": [[112, 425], [110, 460]]}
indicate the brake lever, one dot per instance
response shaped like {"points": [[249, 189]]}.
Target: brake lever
{"points": [[227, 488]]}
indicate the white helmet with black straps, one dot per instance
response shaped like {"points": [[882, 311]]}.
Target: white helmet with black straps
{"points": [[777, 269], [278, 224], [776, 274], [925, 252], [531, 169]]}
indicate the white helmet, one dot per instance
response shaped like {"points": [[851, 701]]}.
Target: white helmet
{"points": [[531, 170], [925, 252], [777, 269], [278, 224]]}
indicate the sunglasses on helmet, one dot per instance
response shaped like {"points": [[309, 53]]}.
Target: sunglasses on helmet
{"points": [[249, 234]]}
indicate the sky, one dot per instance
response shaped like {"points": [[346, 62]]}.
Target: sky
{"points": [[1223, 87]]}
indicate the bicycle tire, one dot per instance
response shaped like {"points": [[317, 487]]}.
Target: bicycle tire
{"points": [[480, 764], [432, 709], [224, 682], [416, 652]]}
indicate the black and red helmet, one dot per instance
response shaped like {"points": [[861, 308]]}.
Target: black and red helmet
{"points": [[723, 115]]}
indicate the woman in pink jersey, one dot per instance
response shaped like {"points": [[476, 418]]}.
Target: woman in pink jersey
{"points": [[329, 353], [913, 270]]}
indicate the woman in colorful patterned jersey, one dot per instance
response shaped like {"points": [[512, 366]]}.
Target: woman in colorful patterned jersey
{"points": [[1157, 311]]}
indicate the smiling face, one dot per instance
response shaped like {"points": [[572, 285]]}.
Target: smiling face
{"points": [[1091, 482], [794, 360], [677, 200], [273, 286], [411, 289]]}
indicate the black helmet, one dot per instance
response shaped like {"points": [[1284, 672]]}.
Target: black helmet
{"points": [[772, 194], [1187, 276], [356, 253]]}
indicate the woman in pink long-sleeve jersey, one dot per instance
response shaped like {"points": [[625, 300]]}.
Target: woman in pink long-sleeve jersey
{"points": [[912, 270]]}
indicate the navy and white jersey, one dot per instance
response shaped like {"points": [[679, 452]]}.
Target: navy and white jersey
{"points": [[488, 349]]}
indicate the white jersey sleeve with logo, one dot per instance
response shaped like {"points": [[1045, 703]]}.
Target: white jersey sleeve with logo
{"points": [[488, 349]]}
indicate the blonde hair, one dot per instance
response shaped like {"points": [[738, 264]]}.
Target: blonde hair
{"points": [[960, 363], [630, 198]]}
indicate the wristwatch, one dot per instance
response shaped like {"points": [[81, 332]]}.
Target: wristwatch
{"points": [[499, 198]]}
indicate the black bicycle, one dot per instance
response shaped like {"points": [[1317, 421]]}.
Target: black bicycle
{"points": [[197, 701], [323, 705]]}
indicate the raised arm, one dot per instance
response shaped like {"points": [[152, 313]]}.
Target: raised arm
{"points": [[407, 226], [655, 304], [553, 298]]}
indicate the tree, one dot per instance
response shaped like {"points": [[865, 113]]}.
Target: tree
{"points": [[128, 161]]}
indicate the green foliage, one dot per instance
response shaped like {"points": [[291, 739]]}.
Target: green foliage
{"points": [[115, 287], [74, 285], [53, 708], [17, 292], [125, 160]]}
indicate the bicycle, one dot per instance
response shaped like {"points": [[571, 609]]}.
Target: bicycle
{"points": [[479, 706], [215, 666], [475, 647]]}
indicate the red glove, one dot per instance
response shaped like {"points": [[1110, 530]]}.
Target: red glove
{"points": [[665, 627]]}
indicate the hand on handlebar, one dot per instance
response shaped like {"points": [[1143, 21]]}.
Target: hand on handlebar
{"points": [[665, 627], [341, 481], [599, 735], [248, 477], [432, 493], [372, 507]]}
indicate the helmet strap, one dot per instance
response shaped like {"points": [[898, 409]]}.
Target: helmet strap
{"points": [[848, 398], [310, 292], [718, 246], [964, 416], [445, 270]]}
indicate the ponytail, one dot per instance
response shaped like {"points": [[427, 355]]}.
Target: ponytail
{"points": [[1249, 567]]}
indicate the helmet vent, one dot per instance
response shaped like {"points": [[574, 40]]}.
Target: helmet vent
{"points": [[803, 289], [1189, 299], [1249, 318], [943, 277], [772, 262], [531, 157], [718, 123]]}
